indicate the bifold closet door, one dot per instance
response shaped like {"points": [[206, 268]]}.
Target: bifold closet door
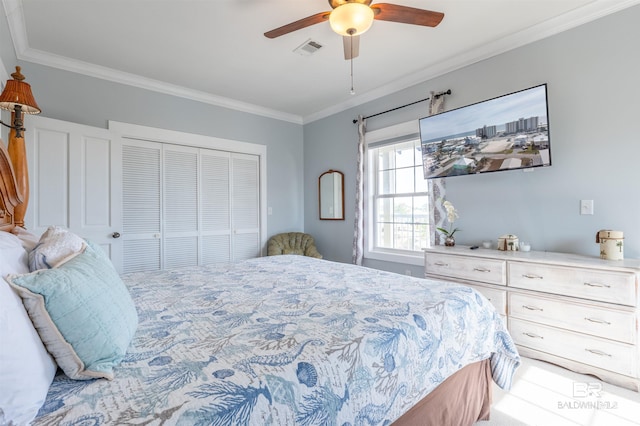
{"points": [[180, 201], [186, 206], [160, 206], [230, 207], [245, 206], [141, 206], [215, 206]]}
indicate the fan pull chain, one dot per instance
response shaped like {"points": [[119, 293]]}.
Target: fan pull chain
{"points": [[351, 31], [352, 91]]}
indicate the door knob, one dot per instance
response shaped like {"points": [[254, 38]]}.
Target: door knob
{"points": [[116, 235]]}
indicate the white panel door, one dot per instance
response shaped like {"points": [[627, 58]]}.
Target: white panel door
{"points": [[74, 180], [48, 148]]}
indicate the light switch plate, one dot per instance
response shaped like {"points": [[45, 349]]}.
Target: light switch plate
{"points": [[586, 206]]}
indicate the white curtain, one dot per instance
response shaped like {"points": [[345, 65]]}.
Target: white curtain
{"points": [[358, 233], [437, 214], [436, 189]]}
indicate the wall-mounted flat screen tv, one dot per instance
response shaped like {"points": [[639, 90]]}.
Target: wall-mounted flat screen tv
{"points": [[509, 132]]}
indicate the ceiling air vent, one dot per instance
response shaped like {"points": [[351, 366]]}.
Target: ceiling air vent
{"points": [[307, 48]]}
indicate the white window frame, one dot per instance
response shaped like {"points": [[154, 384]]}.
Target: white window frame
{"points": [[396, 132]]}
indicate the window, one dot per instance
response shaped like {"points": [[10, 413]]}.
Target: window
{"points": [[398, 201]]}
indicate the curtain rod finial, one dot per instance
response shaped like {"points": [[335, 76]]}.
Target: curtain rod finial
{"points": [[448, 92]]}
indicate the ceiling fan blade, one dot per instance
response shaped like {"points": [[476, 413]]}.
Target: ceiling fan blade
{"points": [[298, 25], [351, 51], [406, 15]]}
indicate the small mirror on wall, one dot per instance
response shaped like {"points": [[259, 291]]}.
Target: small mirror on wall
{"points": [[331, 195]]}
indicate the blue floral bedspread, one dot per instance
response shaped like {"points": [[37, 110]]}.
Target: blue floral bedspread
{"points": [[286, 340]]}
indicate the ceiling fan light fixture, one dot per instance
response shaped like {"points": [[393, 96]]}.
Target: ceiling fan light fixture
{"points": [[351, 19]]}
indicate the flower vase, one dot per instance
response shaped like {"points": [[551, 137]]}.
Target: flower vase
{"points": [[449, 241]]}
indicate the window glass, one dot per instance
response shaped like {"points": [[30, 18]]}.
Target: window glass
{"points": [[405, 180], [400, 202]]}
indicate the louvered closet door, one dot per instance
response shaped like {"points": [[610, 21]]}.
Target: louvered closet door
{"points": [[185, 206], [215, 206], [180, 206], [245, 206], [141, 206]]}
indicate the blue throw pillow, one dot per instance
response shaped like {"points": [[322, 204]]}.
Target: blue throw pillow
{"points": [[83, 312]]}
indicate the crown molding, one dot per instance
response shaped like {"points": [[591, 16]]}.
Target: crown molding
{"points": [[104, 73]]}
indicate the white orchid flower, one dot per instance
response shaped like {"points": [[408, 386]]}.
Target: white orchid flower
{"points": [[452, 215]]}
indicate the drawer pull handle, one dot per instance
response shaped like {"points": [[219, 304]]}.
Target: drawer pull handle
{"points": [[482, 270], [441, 264], [532, 308], [597, 285], [535, 336], [599, 321], [532, 276], [597, 352]]}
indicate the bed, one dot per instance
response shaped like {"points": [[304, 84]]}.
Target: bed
{"points": [[280, 340]]}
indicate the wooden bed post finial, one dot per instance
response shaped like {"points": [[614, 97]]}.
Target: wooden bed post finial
{"points": [[18, 155], [17, 98]]}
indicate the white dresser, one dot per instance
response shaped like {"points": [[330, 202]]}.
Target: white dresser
{"points": [[579, 312]]}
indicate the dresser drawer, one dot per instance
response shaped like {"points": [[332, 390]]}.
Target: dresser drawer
{"points": [[497, 297], [597, 321], [492, 271], [593, 284], [606, 354]]}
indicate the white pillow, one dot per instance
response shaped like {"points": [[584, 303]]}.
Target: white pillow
{"points": [[56, 245], [13, 257], [26, 368], [29, 239]]}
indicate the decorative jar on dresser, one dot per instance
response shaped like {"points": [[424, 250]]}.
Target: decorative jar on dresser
{"points": [[579, 312]]}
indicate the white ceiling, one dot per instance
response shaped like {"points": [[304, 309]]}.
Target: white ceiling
{"points": [[214, 51]]}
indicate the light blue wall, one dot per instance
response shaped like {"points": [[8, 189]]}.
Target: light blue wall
{"points": [[594, 104], [80, 99]]}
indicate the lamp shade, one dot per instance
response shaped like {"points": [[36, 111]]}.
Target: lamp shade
{"points": [[17, 92], [351, 19]]}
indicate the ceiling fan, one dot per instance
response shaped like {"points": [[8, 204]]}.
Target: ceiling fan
{"points": [[350, 18]]}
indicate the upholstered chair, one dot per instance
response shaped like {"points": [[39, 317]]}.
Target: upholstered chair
{"points": [[293, 243]]}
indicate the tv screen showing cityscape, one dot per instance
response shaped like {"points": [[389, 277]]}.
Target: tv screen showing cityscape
{"points": [[504, 133]]}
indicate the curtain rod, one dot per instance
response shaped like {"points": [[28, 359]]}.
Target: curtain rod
{"points": [[437, 95]]}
